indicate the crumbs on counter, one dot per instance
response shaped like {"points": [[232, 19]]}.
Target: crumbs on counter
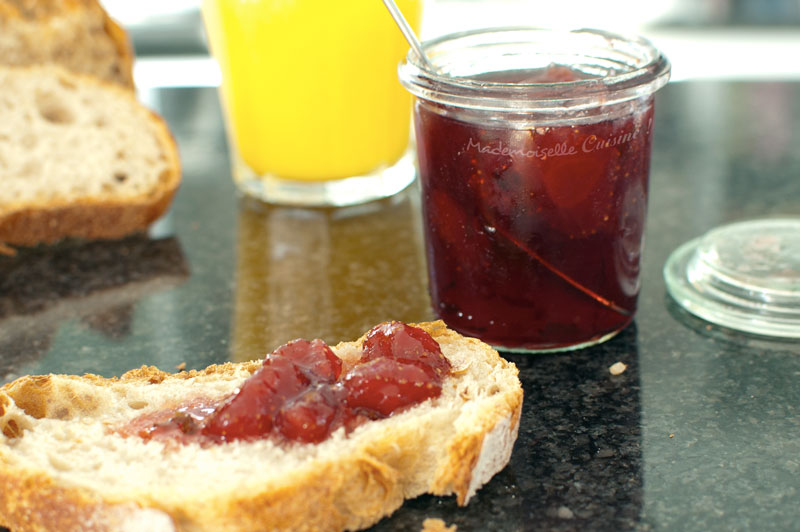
{"points": [[181, 366], [433, 524], [617, 368]]}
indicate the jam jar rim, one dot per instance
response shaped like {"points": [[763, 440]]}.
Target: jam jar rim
{"points": [[648, 71]]}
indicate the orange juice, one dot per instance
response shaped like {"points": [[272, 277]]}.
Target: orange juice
{"points": [[310, 87]]}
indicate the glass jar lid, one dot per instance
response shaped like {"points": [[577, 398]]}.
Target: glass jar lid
{"points": [[744, 276]]}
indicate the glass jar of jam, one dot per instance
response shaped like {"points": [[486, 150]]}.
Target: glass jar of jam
{"points": [[534, 155]]}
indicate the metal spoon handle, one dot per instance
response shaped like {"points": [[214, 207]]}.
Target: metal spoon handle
{"points": [[408, 33]]}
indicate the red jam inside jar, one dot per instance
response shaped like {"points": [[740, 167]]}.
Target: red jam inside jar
{"points": [[301, 393], [534, 155], [534, 235]]}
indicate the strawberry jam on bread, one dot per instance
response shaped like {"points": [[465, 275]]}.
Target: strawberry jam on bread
{"points": [[301, 393], [65, 465]]}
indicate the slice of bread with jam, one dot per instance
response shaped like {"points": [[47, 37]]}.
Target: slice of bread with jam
{"points": [[67, 463]]}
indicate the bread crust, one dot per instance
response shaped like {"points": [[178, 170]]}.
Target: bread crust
{"points": [[64, 509], [95, 217], [90, 219], [125, 53], [348, 493]]}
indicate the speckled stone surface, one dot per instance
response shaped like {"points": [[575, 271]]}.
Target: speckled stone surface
{"points": [[700, 433]]}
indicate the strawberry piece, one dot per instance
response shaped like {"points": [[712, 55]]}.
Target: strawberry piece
{"points": [[410, 345], [450, 219], [384, 386], [314, 358], [251, 411], [287, 372], [310, 417]]}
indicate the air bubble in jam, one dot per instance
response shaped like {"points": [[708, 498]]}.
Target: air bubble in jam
{"points": [[301, 395]]}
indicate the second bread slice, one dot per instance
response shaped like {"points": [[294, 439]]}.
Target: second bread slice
{"points": [[79, 35], [79, 157]]}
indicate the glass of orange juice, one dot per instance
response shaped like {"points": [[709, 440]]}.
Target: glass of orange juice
{"points": [[314, 111]]}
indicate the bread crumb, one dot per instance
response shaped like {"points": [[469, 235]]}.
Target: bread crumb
{"points": [[605, 453], [617, 368], [565, 513], [437, 525], [181, 366], [671, 435]]}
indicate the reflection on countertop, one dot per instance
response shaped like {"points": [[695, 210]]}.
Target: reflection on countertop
{"points": [[94, 285], [325, 273]]}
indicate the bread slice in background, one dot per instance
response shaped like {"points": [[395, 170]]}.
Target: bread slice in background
{"points": [[64, 468], [76, 34], [79, 157]]}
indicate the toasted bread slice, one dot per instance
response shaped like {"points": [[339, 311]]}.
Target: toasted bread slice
{"points": [[63, 467], [79, 158]]}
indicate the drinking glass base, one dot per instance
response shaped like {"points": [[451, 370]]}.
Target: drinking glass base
{"points": [[382, 183], [743, 276]]}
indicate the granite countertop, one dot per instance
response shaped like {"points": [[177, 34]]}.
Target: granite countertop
{"points": [[701, 432]]}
